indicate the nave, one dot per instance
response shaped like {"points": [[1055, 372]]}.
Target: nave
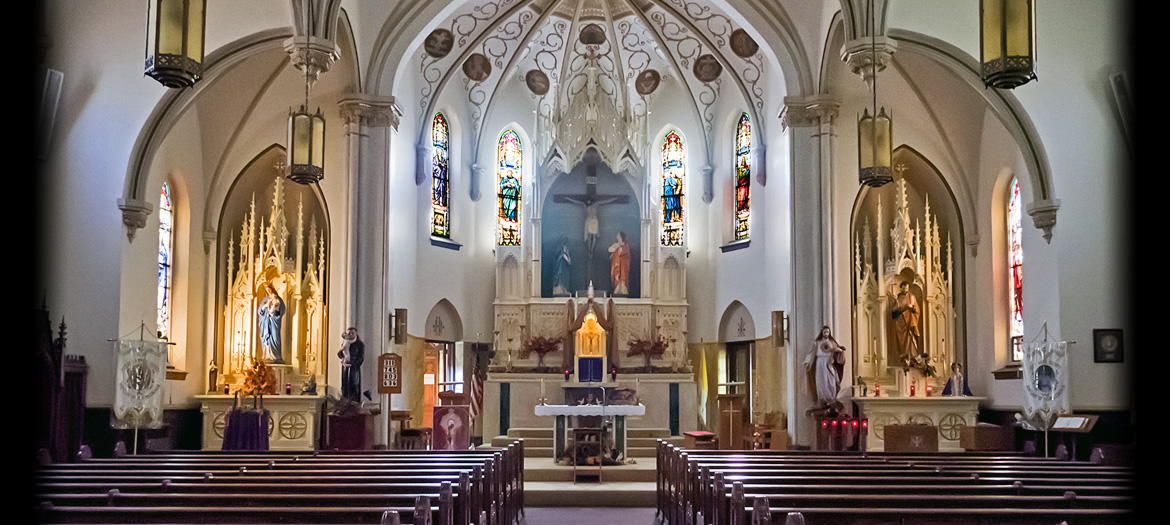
{"points": [[486, 486]]}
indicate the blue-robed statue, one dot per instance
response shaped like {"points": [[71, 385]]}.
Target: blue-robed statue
{"points": [[561, 271], [268, 318]]}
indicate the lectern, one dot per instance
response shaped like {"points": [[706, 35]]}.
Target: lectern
{"points": [[731, 420]]}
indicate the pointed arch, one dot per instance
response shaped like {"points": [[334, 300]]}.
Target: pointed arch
{"points": [[509, 176], [674, 174], [440, 177], [743, 176]]}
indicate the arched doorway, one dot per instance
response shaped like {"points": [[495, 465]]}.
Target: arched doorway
{"points": [[443, 357]]}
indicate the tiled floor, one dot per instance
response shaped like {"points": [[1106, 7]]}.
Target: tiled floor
{"points": [[589, 516]]}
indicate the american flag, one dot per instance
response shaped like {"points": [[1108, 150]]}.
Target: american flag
{"points": [[477, 388]]}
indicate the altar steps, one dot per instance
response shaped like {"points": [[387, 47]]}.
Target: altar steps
{"points": [[549, 485], [538, 442]]}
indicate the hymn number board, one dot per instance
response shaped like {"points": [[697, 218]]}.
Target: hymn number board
{"points": [[389, 374]]}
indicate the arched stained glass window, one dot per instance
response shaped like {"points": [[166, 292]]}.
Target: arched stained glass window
{"points": [[743, 175], [509, 155], [165, 243], [1015, 271], [440, 178], [673, 182]]}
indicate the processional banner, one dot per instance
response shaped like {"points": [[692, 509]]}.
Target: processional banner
{"points": [[1046, 392], [141, 370]]}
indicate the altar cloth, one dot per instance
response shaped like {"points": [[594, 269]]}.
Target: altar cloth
{"points": [[591, 410]]}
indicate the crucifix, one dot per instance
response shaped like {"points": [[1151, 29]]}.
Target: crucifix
{"points": [[591, 201]]}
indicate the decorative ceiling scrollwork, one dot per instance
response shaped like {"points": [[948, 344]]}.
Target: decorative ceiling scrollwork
{"points": [[592, 68]]}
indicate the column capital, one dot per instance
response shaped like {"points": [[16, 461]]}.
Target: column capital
{"points": [[861, 54], [134, 214], [374, 110], [311, 55], [1043, 215], [808, 111]]}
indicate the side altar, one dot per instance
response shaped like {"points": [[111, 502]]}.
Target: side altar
{"points": [[294, 421], [949, 414]]}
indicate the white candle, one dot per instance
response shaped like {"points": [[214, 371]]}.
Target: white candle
{"points": [[542, 396], [637, 386]]}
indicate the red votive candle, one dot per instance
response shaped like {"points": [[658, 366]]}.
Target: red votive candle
{"points": [[929, 390]]}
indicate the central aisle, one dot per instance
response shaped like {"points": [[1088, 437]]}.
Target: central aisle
{"points": [[550, 485]]}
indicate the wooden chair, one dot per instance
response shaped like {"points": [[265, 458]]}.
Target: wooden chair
{"points": [[418, 438]]}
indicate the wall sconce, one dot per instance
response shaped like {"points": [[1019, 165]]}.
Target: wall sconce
{"points": [[779, 328], [174, 41], [1007, 42], [397, 322]]}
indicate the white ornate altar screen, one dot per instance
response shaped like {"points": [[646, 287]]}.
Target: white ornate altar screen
{"points": [[905, 248], [284, 246]]}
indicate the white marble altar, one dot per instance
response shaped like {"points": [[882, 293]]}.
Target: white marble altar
{"points": [[295, 420], [948, 413]]}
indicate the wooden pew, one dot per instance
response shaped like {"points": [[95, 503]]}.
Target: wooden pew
{"points": [[694, 484], [372, 483]]}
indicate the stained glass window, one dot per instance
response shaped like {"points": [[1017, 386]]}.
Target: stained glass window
{"points": [[165, 242], [508, 153], [743, 175], [1016, 271], [440, 180], [673, 182]]}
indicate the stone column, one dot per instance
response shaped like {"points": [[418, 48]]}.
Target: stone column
{"points": [[367, 120], [811, 123]]}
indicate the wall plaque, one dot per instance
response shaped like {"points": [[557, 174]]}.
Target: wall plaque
{"points": [[389, 374]]}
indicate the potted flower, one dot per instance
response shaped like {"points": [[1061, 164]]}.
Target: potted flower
{"points": [[649, 348], [258, 379], [541, 345]]}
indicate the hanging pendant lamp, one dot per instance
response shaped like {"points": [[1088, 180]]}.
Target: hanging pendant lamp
{"points": [[875, 134], [174, 41], [1006, 42], [306, 143]]}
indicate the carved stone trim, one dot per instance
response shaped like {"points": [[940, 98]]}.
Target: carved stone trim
{"points": [[476, 177], [707, 173], [859, 55], [379, 112], [311, 55], [1043, 215], [134, 214], [810, 111], [208, 239]]}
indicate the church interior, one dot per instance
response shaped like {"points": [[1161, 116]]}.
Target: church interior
{"points": [[599, 228]]}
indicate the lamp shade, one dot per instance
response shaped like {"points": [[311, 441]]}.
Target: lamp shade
{"points": [[306, 146], [875, 148], [1006, 42], [174, 41]]}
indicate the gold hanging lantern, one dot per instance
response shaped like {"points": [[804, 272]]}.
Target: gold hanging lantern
{"points": [[174, 41], [306, 146], [1006, 42], [875, 134], [875, 148]]}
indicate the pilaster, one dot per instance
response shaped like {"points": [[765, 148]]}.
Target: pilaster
{"points": [[811, 122]]}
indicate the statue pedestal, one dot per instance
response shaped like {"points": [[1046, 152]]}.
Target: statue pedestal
{"points": [[295, 421]]}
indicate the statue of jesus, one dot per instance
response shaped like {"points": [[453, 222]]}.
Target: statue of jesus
{"points": [[592, 225]]}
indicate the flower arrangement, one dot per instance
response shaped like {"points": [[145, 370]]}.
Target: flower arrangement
{"points": [[920, 362], [649, 348], [541, 345], [258, 379]]}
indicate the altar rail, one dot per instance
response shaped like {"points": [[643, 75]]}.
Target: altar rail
{"points": [[482, 486], [762, 486]]}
